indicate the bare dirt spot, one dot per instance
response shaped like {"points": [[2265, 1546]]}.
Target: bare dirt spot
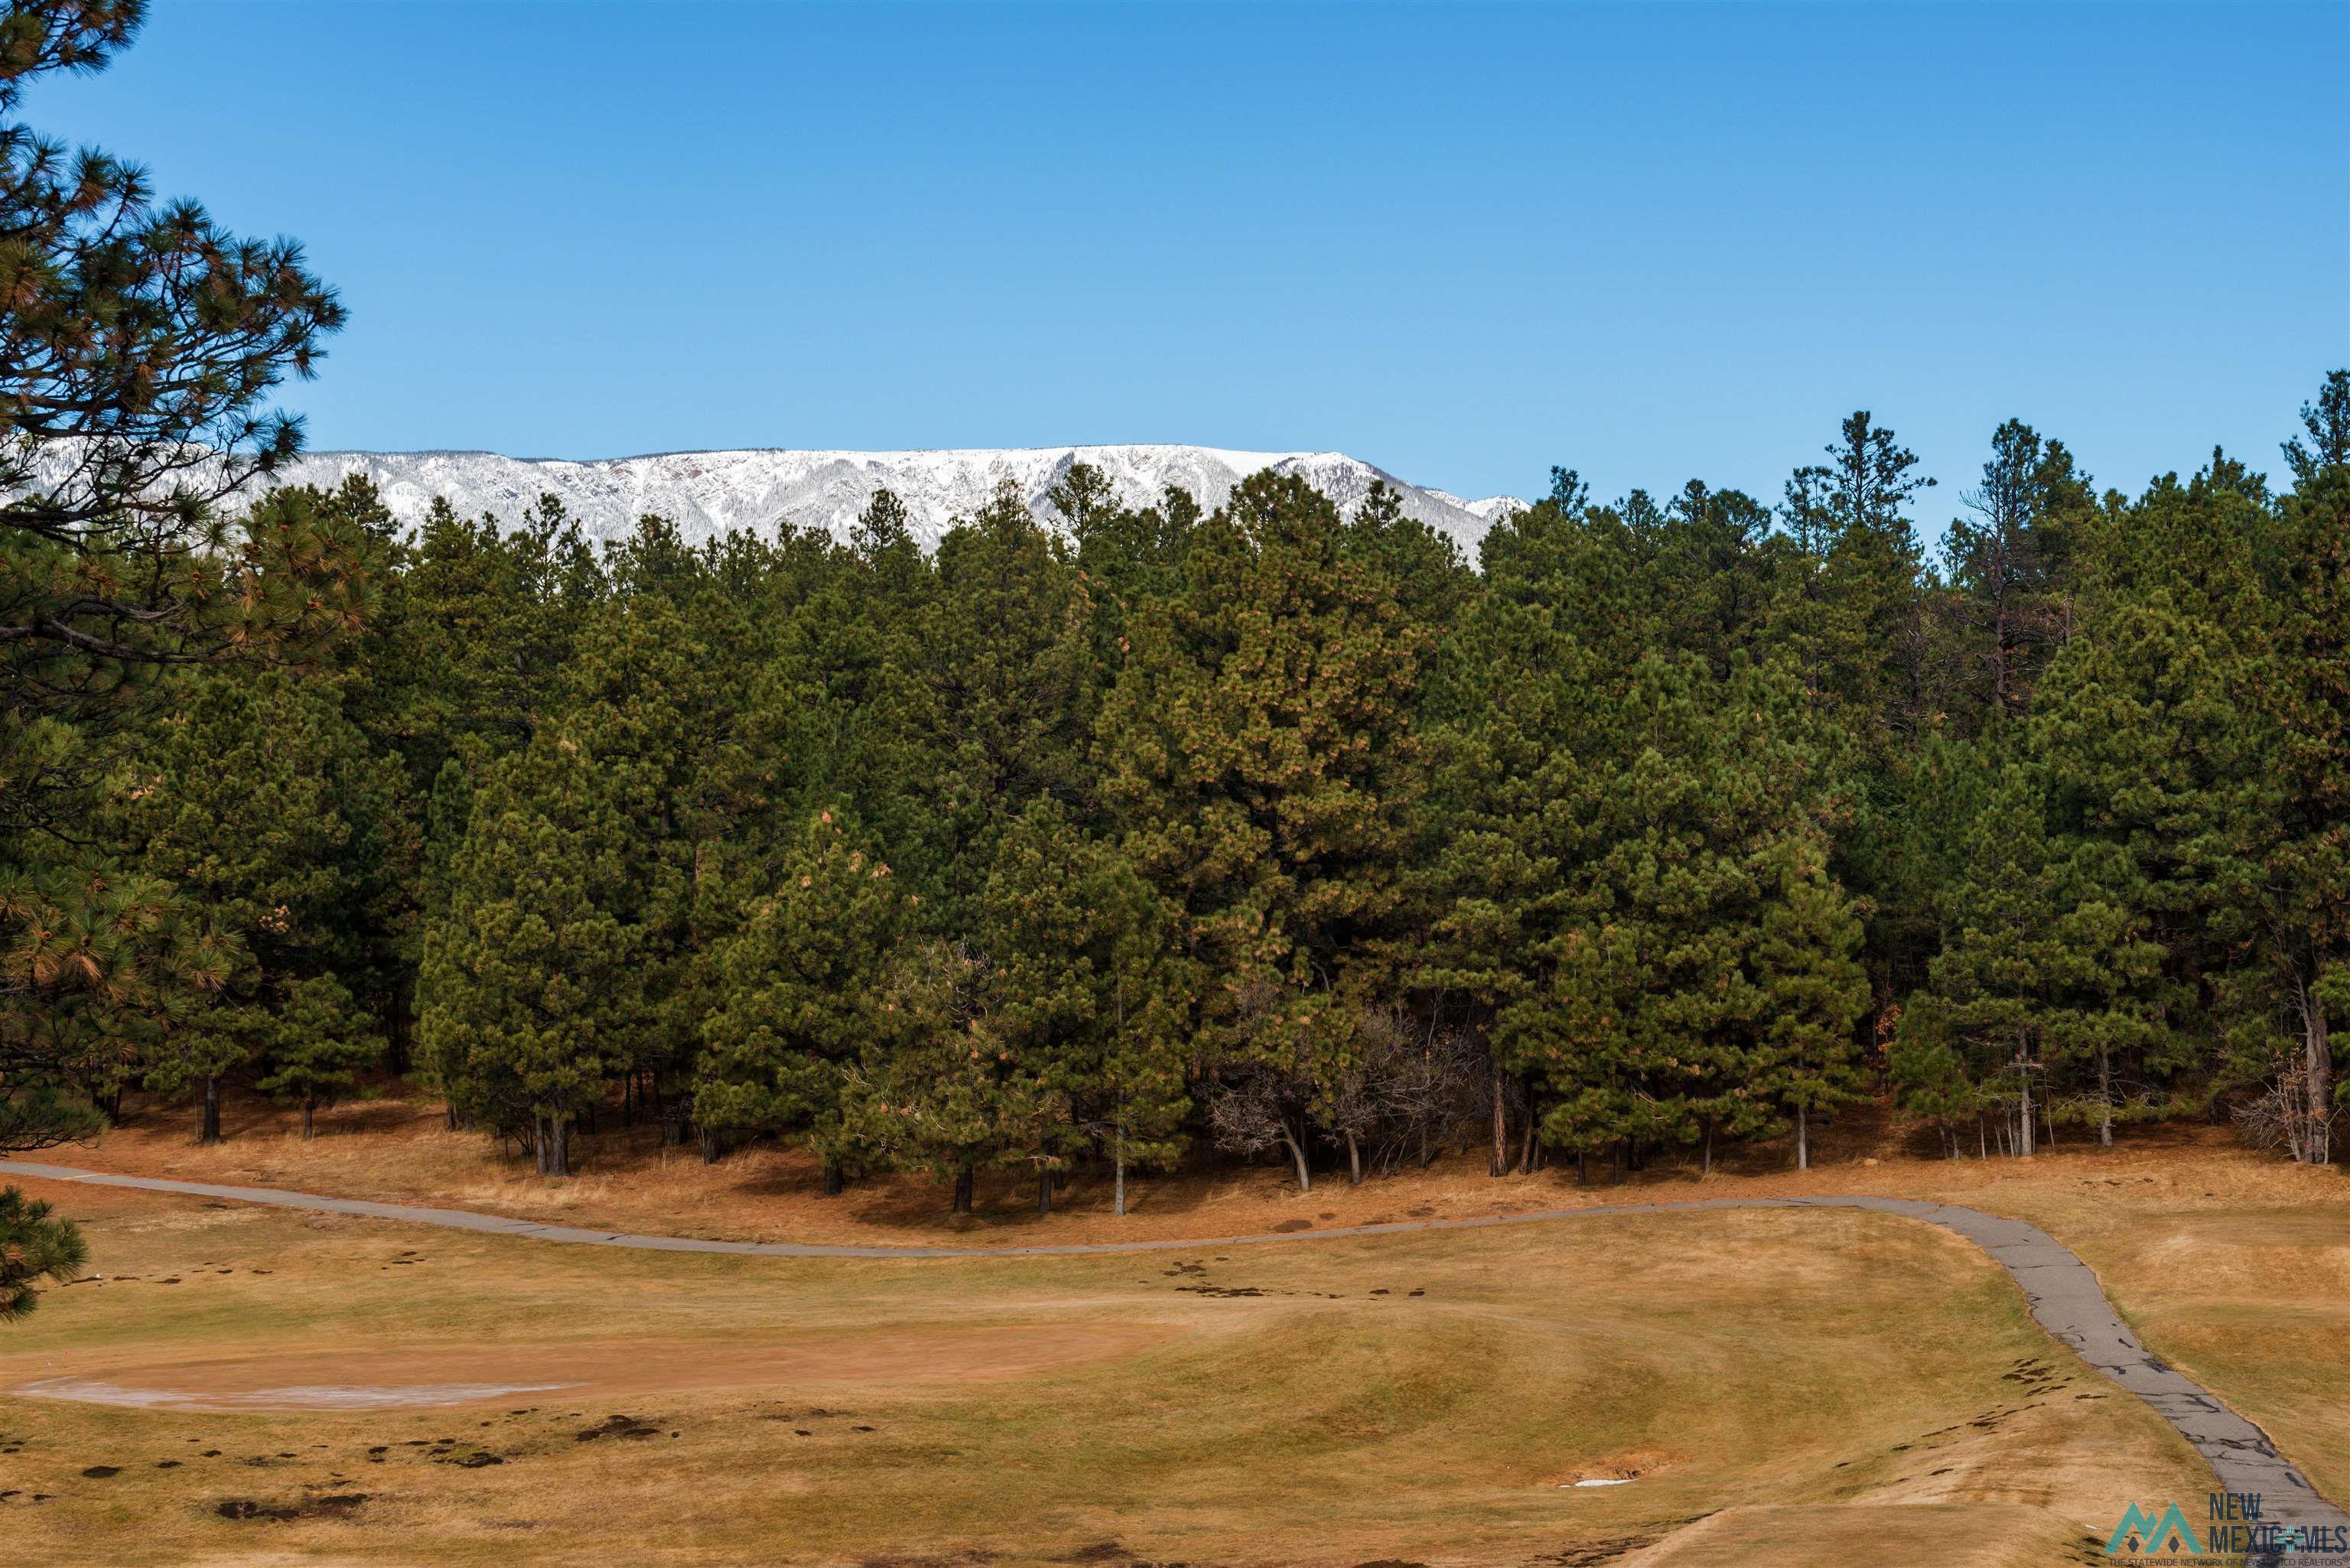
{"points": [[1629, 1465], [333, 1505], [393, 1379]]}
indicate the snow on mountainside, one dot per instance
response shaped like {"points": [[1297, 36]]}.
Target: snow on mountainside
{"points": [[709, 492]]}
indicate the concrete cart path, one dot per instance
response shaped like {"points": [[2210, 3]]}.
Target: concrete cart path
{"points": [[2063, 1295]]}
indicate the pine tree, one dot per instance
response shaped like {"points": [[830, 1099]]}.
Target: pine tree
{"points": [[530, 983], [1257, 751], [1515, 704], [142, 334], [1087, 990], [1811, 992], [933, 1088], [1006, 647], [1851, 608], [1716, 566], [2327, 420], [276, 823], [2007, 564], [35, 1245], [1431, 580], [2292, 922], [800, 988], [323, 1042], [2049, 988], [842, 713], [1677, 1009]]}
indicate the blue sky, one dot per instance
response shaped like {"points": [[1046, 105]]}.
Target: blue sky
{"points": [[1464, 244]]}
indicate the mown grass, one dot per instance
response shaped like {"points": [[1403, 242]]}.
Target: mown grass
{"points": [[1869, 1375]]}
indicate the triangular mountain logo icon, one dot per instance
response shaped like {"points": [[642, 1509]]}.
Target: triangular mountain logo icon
{"points": [[2139, 1533]]}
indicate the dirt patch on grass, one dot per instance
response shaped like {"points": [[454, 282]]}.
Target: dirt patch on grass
{"points": [[1629, 1465], [391, 1379]]}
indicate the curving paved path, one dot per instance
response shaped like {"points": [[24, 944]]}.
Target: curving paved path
{"points": [[2063, 1295]]}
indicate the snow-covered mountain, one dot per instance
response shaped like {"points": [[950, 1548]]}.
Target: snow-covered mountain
{"points": [[709, 492]]}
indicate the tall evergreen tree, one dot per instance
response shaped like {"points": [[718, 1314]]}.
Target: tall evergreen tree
{"points": [[1088, 992], [2007, 565], [1257, 749], [800, 991], [530, 983]]}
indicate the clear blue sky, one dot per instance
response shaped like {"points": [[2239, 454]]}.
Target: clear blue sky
{"points": [[1463, 244]]}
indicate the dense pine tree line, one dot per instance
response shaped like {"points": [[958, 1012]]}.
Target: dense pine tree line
{"points": [[1092, 838]]}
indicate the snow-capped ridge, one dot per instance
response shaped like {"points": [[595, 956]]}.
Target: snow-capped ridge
{"points": [[706, 494]]}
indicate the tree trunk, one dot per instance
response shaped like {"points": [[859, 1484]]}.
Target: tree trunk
{"points": [[1500, 1123], [2105, 1102], [1043, 1189], [2023, 1143], [833, 1180], [962, 1190], [309, 1108], [1297, 1158], [1706, 1168], [1527, 1145], [1118, 1161], [2318, 1072], [1354, 1162], [1583, 1167], [208, 1113], [710, 1149], [1803, 1139], [1983, 1139], [560, 1165]]}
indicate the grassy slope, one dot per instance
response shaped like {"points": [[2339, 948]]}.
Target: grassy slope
{"points": [[1744, 1362]]}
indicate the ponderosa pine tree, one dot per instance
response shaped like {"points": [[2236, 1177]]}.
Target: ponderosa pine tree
{"points": [[1257, 752], [1515, 700], [323, 1040], [1851, 611], [843, 713], [144, 342], [530, 986], [652, 698], [1431, 580], [269, 812], [801, 986], [1089, 992], [145, 969], [2290, 996], [486, 619], [1123, 557], [1810, 987], [1006, 650], [1715, 562], [35, 1245], [2048, 991], [1674, 1010], [2007, 565], [933, 1088], [2327, 420]]}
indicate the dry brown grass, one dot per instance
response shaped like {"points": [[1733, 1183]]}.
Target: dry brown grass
{"points": [[1741, 1362], [1763, 1371]]}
